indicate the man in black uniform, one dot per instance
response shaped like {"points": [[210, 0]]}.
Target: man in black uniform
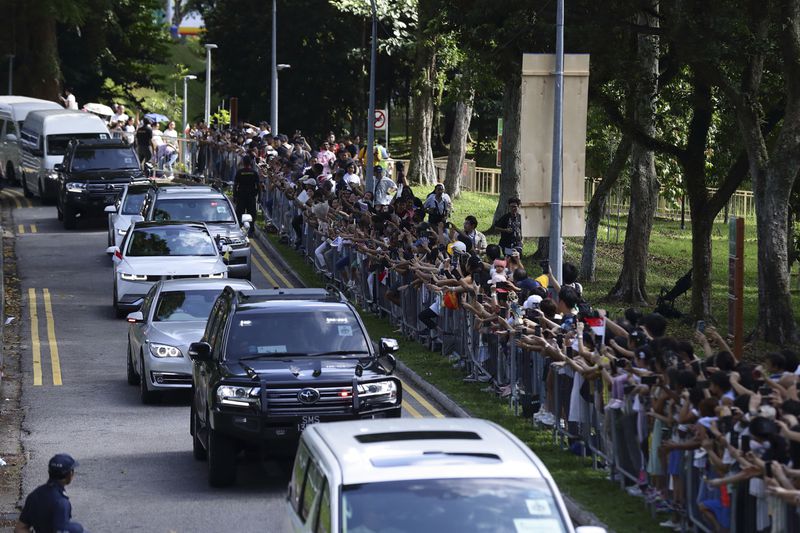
{"points": [[245, 191], [144, 142], [47, 509]]}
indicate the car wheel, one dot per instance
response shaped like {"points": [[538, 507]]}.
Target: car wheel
{"points": [[221, 459], [118, 311], [198, 451], [70, 217], [25, 191], [147, 396], [59, 213], [11, 176], [133, 377], [44, 198]]}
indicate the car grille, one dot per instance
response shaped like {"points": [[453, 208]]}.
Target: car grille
{"points": [[285, 401], [171, 378], [104, 188]]}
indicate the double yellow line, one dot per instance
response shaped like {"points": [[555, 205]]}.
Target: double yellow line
{"points": [[17, 197], [32, 228], [279, 280], [36, 345]]}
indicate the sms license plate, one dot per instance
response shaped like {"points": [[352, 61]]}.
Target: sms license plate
{"points": [[307, 421]]}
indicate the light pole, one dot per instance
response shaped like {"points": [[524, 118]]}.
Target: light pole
{"points": [[370, 185], [209, 47], [557, 185], [274, 92], [185, 102], [274, 125], [10, 73]]}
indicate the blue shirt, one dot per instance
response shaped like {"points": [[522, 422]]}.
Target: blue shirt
{"points": [[47, 510]]}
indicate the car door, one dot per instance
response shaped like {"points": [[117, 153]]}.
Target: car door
{"points": [[139, 330], [202, 371]]}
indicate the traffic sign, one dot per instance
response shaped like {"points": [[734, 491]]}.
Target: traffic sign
{"points": [[381, 119]]}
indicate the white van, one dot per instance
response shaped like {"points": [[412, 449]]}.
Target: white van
{"points": [[13, 111], [44, 139]]}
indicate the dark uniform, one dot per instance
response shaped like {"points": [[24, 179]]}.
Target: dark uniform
{"points": [[245, 192], [144, 147], [47, 509]]}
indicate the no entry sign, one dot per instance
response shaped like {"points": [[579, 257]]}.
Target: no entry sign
{"points": [[381, 119]]}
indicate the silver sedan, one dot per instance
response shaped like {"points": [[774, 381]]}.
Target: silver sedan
{"points": [[126, 210], [173, 315]]}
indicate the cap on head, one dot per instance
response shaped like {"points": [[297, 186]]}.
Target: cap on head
{"points": [[61, 465]]}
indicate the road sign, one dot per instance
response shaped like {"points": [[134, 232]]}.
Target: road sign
{"points": [[381, 119]]}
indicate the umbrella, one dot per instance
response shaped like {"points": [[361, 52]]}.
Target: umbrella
{"points": [[156, 117], [99, 109]]}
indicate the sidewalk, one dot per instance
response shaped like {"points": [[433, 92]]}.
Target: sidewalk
{"points": [[580, 516]]}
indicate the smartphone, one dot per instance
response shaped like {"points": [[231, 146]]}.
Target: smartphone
{"points": [[649, 380], [745, 443], [537, 330], [768, 468], [765, 390], [570, 352], [703, 384], [701, 326], [560, 340], [725, 424]]}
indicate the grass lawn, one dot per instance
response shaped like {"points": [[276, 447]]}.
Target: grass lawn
{"points": [[574, 475]]}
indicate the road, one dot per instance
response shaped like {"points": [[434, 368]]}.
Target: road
{"points": [[136, 469]]}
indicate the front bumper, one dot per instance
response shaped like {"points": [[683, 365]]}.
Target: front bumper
{"points": [[89, 202], [130, 294], [168, 373]]}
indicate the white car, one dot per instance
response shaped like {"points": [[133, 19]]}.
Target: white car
{"points": [[428, 475], [152, 251], [125, 211]]}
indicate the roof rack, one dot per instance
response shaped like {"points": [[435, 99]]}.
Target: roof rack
{"points": [[328, 294]]}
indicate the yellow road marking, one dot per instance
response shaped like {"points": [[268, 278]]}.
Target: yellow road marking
{"points": [[263, 272], [17, 196], [35, 346], [51, 338], [410, 408], [33, 228], [280, 275], [20, 229], [422, 401]]}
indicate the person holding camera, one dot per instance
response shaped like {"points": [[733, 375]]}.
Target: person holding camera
{"points": [[510, 228], [438, 205]]}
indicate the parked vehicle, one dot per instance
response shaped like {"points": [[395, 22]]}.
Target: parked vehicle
{"points": [[422, 475], [271, 363], [173, 315], [152, 251], [13, 111], [45, 139], [126, 210]]}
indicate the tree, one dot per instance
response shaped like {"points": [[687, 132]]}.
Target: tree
{"points": [[458, 146], [421, 166]]}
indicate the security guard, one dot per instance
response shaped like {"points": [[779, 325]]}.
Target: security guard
{"points": [[245, 191], [47, 509]]}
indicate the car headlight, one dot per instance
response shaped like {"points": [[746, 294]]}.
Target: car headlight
{"points": [[122, 232], [164, 350], [237, 396], [378, 392], [52, 175], [133, 277], [76, 187], [217, 275]]}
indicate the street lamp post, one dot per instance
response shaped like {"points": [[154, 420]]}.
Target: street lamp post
{"points": [[557, 186], [370, 185], [185, 102], [274, 125], [274, 91], [10, 73], [209, 47]]}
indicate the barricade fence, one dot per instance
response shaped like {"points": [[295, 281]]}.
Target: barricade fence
{"points": [[615, 433]]}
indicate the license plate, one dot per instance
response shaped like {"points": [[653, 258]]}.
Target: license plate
{"points": [[307, 421]]}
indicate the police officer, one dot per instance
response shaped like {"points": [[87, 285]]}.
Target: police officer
{"points": [[144, 143], [245, 191], [47, 509]]}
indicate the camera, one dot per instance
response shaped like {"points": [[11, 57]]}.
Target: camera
{"points": [[639, 337], [537, 330]]}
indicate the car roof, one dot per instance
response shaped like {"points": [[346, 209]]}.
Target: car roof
{"points": [[269, 297], [393, 449], [148, 224], [101, 143], [175, 190], [204, 284]]}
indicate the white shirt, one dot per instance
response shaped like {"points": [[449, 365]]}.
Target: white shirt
{"points": [[352, 179], [71, 102], [121, 117], [171, 137]]}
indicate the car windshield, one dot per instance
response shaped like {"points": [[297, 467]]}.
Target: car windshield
{"points": [[177, 306], [312, 330], [463, 505], [195, 209], [133, 203], [87, 159], [177, 241], [57, 144]]}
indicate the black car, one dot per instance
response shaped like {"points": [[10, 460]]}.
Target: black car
{"points": [[92, 175], [272, 362]]}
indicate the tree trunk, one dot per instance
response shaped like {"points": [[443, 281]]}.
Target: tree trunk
{"points": [[511, 157], [421, 168], [631, 286], [597, 206], [38, 74], [458, 147]]}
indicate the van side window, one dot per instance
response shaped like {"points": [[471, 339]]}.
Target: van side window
{"points": [[298, 477], [311, 489], [324, 513]]}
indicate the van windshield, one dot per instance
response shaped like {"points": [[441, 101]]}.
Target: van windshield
{"points": [[57, 144]]}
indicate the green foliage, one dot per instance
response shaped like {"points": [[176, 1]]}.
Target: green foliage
{"points": [[397, 18], [222, 117]]}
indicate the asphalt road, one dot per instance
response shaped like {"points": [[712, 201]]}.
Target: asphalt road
{"points": [[136, 469]]}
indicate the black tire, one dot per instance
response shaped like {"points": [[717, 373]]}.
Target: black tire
{"points": [[70, 217], [221, 459], [59, 213], [147, 397], [133, 377], [118, 311], [25, 191], [11, 176], [198, 451], [46, 200]]}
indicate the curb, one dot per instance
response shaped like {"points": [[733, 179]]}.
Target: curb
{"points": [[438, 396]]}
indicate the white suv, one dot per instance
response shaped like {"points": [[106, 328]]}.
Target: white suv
{"points": [[422, 476]]}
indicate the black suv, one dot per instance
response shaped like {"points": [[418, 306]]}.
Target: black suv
{"points": [[92, 175], [272, 362]]}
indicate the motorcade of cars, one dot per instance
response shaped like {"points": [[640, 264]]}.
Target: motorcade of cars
{"points": [[45, 137], [422, 475], [203, 203], [126, 210], [272, 363], [13, 111], [153, 251], [173, 315], [92, 176]]}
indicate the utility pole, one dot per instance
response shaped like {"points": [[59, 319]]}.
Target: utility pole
{"points": [[274, 95], [209, 47], [370, 181], [557, 186], [185, 102], [10, 73]]}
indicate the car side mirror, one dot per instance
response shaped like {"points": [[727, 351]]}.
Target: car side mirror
{"points": [[11, 138], [388, 346], [58, 167], [247, 218], [110, 208], [136, 317], [200, 351]]}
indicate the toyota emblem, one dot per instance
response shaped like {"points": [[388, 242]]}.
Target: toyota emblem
{"points": [[308, 396]]}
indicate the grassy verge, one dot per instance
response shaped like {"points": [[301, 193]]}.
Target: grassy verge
{"points": [[573, 474]]}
